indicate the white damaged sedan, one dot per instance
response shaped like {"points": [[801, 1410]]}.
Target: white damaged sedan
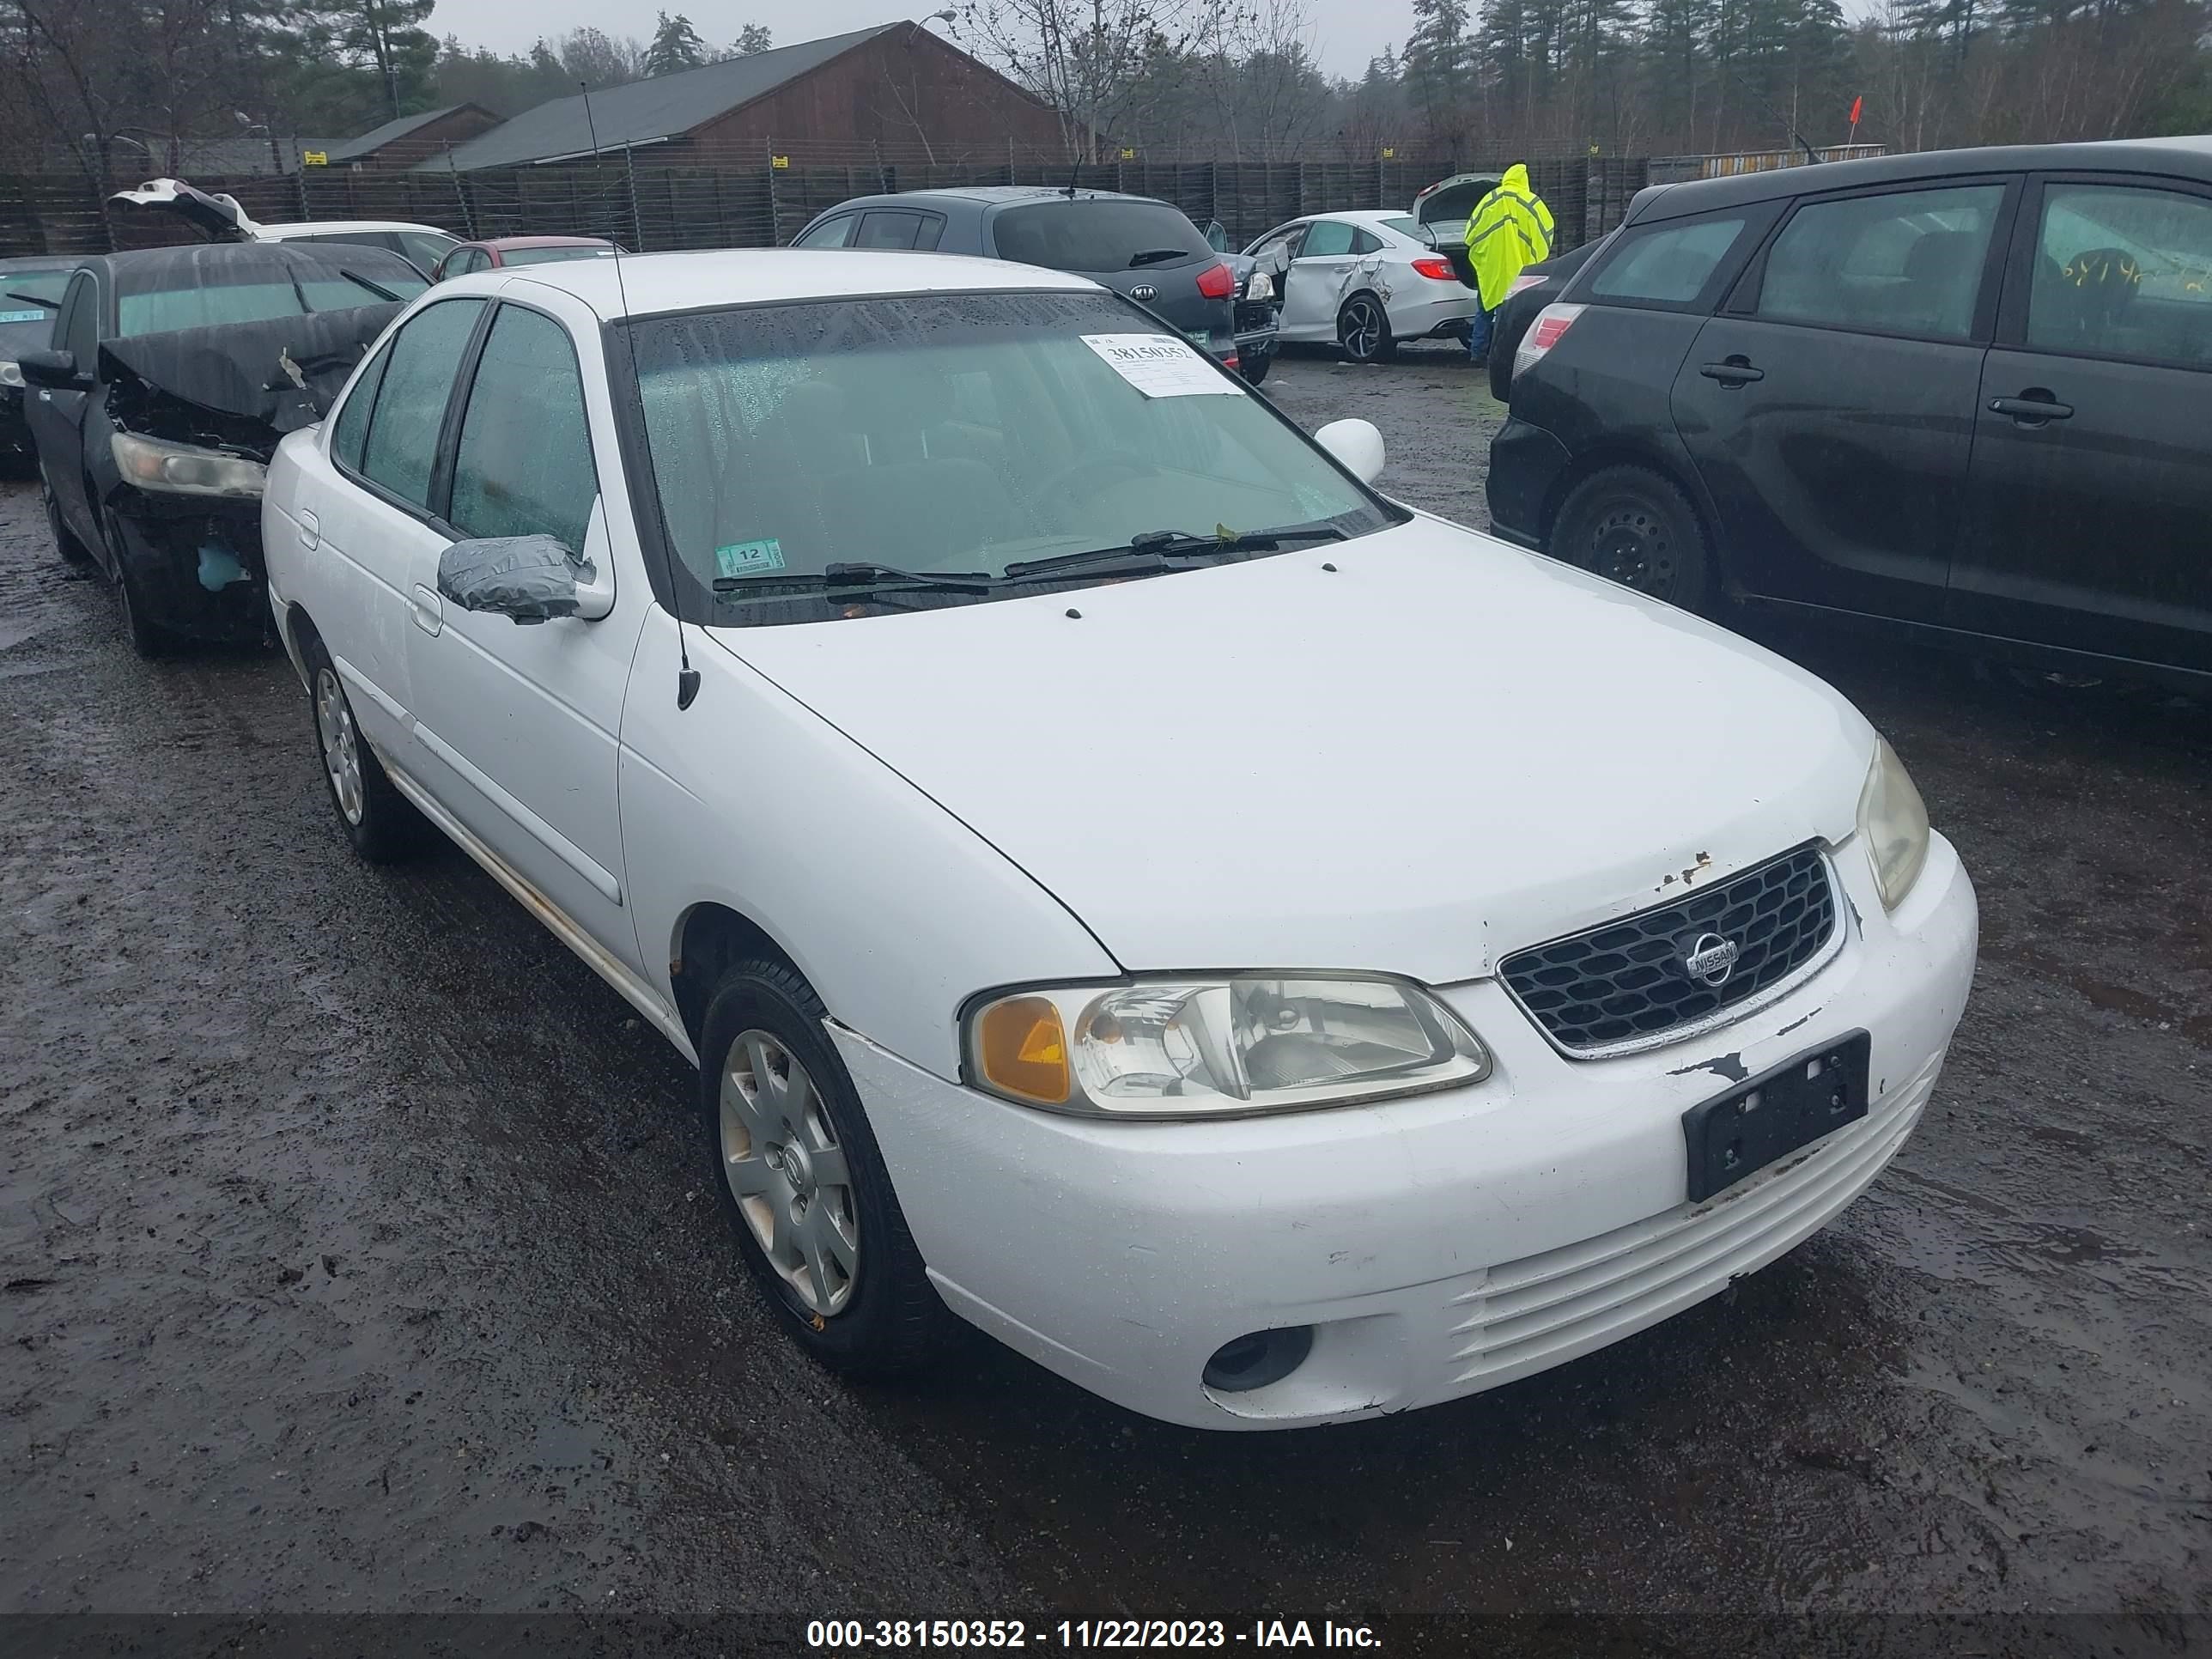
{"points": [[1270, 956]]}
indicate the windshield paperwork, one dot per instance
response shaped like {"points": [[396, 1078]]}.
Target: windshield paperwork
{"points": [[949, 449]]}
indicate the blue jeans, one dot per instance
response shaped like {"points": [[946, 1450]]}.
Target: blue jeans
{"points": [[1477, 335]]}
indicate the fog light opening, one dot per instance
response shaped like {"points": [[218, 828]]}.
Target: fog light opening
{"points": [[1257, 1358]]}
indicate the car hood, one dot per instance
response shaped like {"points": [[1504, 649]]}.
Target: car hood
{"points": [[1442, 751]]}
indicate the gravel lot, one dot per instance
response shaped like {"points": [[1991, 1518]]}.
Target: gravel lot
{"points": [[358, 1255]]}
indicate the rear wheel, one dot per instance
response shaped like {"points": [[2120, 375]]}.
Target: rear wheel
{"points": [[1632, 526], [1363, 331], [802, 1183], [1255, 370]]}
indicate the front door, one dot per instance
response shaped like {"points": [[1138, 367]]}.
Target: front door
{"points": [[1830, 406], [57, 418], [2092, 484], [517, 725], [1315, 286]]}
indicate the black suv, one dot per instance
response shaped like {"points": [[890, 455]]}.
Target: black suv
{"points": [[1964, 392]]}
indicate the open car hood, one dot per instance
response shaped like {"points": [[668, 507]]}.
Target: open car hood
{"points": [[243, 384], [219, 218]]}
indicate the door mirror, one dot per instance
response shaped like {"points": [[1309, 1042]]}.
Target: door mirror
{"points": [[1357, 445], [531, 578], [53, 371], [1216, 237]]}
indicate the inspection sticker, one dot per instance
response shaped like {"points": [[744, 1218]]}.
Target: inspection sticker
{"points": [[34, 315], [1160, 366], [749, 558]]}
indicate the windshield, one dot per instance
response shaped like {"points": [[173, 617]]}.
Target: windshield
{"points": [[1090, 234], [547, 255], [25, 326], [195, 297], [953, 433]]}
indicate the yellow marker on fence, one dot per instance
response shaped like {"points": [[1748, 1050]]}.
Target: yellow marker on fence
{"points": [[781, 163], [314, 158]]}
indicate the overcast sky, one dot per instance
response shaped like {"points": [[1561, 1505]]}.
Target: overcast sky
{"points": [[1347, 32]]}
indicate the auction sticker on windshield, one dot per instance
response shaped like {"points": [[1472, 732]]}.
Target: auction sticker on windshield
{"points": [[1161, 368]]}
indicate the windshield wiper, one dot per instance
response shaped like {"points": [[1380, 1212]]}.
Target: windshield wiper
{"points": [[36, 299], [868, 577], [1154, 256], [377, 289], [1153, 551]]}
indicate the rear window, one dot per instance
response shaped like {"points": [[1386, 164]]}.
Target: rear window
{"points": [[264, 292], [1404, 226], [548, 256], [1095, 235], [1667, 267], [25, 324]]}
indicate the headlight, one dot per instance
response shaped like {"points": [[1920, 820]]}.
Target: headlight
{"points": [[1216, 1047], [11, 373], [184, 469], [1893, 820], [1260, 286]]}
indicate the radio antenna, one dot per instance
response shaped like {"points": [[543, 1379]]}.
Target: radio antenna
{"points": [[687, 676]]}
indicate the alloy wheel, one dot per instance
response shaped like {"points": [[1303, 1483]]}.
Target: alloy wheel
{"points": [[341, 745], [1363, 329], [787, 1173]]}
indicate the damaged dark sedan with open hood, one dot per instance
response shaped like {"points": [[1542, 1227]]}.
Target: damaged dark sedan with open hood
{"points": [[174, 373]]}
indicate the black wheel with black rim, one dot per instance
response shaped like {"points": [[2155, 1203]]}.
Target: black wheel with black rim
{"points": [[1363, 331], [1255, 369], [148, 637], [382, 823], [802, 1183], [1632, 526], [65, 539]]}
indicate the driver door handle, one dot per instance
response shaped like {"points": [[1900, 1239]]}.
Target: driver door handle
{"points": [[2033, 407], [1735, 372], [428, 610], [311, 529]]}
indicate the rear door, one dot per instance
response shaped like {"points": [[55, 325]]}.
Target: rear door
{"points": [[2090, 494], [1830, 404]]}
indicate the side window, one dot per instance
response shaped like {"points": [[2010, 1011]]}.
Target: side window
{"points": [[1280, 246], [352, 428], [1906, 262], [886, 227], [410, 401], [830, 233], [533, 477], [1326, 237], [1667, 267], [2122, 271], [931, 232], [1364, 242]]}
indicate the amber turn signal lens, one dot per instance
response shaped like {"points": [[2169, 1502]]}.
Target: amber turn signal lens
{"points": [[1021, 1050]]}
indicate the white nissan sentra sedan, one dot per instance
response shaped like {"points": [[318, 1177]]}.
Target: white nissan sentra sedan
{"points": [[1269, 956]]}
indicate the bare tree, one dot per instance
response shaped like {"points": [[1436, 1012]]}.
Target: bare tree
{"points": [[1087, 59]]}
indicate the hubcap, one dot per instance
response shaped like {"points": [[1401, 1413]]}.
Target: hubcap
{"points": [[341, 749], [781, 1157], [1631, 547]]}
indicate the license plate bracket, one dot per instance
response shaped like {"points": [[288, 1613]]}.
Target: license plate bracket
{"points": [[1770, 1115]]}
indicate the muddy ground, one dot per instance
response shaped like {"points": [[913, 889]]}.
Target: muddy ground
{"points": [[358, 1256]]}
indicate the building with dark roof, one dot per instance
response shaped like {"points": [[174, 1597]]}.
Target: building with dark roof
{"points": [[897, 90], [412, 138]]}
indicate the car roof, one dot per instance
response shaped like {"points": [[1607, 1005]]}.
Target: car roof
{"points": [[1373, 218], [2191, 157], [645, 285], [503, 243], [317, 227], [275, 256], [990, 196], [43, 262]]}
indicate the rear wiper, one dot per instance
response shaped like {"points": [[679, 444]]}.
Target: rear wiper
{"points": [[1153, 256], [866, 576], [36, 299], [1153, 551]]}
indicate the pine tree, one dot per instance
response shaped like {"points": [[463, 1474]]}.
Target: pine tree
{"points": [[752, 40], [676, 45], [1439, 60], [385, 37]]}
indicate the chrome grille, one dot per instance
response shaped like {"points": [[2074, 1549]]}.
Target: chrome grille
{"points": [[1626, 983]]}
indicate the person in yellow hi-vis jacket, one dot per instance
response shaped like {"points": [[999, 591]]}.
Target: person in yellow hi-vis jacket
{"points": [[1511, 229]]}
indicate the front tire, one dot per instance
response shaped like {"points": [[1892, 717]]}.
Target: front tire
{"points": [[149, 638], [1632, 526], [1363, 331], [802, 1183], [382, 825], [73, 551], [1254, 373]]}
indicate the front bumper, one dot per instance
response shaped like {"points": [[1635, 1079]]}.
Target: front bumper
{"points": [[1439, 1245], [198, 565], [15, 425]]}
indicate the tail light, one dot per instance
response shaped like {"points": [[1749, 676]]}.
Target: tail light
{"points": [[1550, 327], [1437, 271], [1527, 279], [1217, 282]]}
